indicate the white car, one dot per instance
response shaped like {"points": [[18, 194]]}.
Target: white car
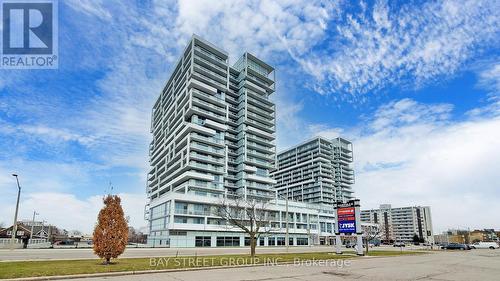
{"points": [[485, 245]]}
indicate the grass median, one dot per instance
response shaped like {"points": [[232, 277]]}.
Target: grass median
{"points": [[20, 269]]}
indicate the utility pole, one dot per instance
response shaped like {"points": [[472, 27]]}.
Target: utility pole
{"points": [[32, 225], [309, 241], [14, 226], [48, 234], [287, 241], [286, 214]]}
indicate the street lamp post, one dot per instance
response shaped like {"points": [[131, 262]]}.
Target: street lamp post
{"points": [[14, 226]]}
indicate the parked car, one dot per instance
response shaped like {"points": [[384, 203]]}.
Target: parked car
{"points": [[456, 246], [399, 244], [485, 245]]}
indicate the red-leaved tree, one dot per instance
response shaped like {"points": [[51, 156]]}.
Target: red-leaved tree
{"points": [[111, 231]]}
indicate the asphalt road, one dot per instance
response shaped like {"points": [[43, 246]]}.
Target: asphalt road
{"points": [[64, 254], [442, 265]]}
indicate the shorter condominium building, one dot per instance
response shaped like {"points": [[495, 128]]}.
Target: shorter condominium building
{"points": [[190, 220], [316, 171], [401, 224]]}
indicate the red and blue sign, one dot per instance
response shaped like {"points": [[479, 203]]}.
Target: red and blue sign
{"points": [[346, 219]]}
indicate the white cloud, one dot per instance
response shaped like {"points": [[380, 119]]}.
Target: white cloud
{"points": [[47, 176], [407, 111], [52, 134], [489, 79], [261, 27], [383, 45], [67, 211], [404, 45], [410, 153], [95, 7], [365, 51]]}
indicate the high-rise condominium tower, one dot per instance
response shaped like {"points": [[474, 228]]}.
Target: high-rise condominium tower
{"points": [[213, 129], [213, 126], [316, 171]]}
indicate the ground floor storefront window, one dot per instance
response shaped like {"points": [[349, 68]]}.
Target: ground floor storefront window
{"points": [[228, 241], [203, 241], [302, 241]]}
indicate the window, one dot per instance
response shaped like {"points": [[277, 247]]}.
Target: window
{"points": [[200, 209], [281, 241], [157, 224], [290, 241], [158, 211], [198, 220], [180, 220], [261, 172], [228, 241], [203, 241], [216, 221], [181, 208], [201, 193], [271, 241], [302, 241], [261, 241]]}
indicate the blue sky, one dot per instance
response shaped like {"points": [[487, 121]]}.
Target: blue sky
{"points": [[414, 84]]}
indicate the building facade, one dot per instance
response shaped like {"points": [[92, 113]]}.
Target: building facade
{"points": [[401, 224], [467, 236], [213, 130], [316, 171]]}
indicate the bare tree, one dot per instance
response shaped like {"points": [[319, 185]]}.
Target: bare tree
{"points": [[370, 232], [248, 214], [136, 236], [76, 232]]}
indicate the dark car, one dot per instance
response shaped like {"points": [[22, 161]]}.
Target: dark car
{"points": [[456, 246], [399, 244]]}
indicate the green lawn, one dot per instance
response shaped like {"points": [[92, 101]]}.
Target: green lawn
{"points": [[70, 267]]}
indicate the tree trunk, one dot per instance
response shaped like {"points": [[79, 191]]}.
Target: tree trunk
{"points": [[253, 244], [367, 244]]}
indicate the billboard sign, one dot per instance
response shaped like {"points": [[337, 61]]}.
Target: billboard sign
{"points": [[346, 217]]}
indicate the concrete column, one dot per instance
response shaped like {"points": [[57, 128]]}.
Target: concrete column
{"points": [[338, 242], [359, 229]]}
